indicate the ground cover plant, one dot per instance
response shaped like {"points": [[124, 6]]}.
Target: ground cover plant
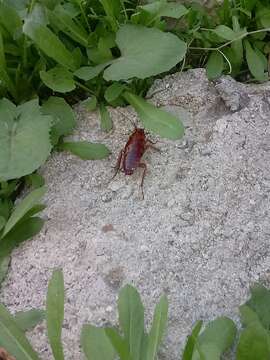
{"points": [[131, 340]]}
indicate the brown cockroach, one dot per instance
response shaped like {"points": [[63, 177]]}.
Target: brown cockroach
{"points": [[130, 157]]}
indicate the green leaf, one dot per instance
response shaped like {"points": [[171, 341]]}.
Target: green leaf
{"points": [[2, 222], [63, 115], [49, 43], [90, 72], [58, 79], [60, 18], [23, 207], [191, 340], [260, 304], [131, 318], [144, 52], [105, 118], [4, 264], [215, 65], [254, 343], [86, 150], [55, 313], [27, 320], [237, 45], [154, 119], [24, 138], [264, 17], [95, 344], [225, 32], [158, 328], [13, 339], [221, 332], [161, 8], [35, 180], [254, 62], [90, 103], [4, 77], [248, 316], [119, 344], [10, 19], [114, 91]]}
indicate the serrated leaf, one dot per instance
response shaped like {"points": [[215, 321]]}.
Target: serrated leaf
{"points": [[114, 91], [225, 32], [13, 339], [154, 119], [27, 320], [24, 138], [254, 62], [86, 150], [191, 340], [58, 79], [90, 72], [131, 318], [49, 43], [95, 344], [144, 52], [158, 328], [63, 115], [105, 118], [55, 313], [23, 207], [215, 65]]}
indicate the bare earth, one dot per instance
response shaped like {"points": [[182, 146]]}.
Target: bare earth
{"points": [[202, 234]]}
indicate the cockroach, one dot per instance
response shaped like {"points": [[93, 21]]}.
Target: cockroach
{"points": [[129, 158]]}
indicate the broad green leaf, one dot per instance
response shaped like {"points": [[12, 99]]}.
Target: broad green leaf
{"points": [[254, 343], [24, 138], [86, 150], [2, 222], [63, 115], [191, 340], [162, 8], [120, 345], [89, 72], [221, 332], [248, 316], [55, 313], [27, 320], [49, 43], [158, 328], [35, 180], [154, 119], [95, 344], [144, 52], [64, 22], [38, 15], [105, 118], [13, 339], [23, 207], [10, 19], [114, 91], [264, 17], [58, 79], [225, 32], [90, 103], [215, 65], [259, 303], [131, 318], [254, 62]]}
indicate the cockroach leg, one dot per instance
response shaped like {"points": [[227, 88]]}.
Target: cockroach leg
{"points": [[142, 165], [118, 164], [150, 146]]}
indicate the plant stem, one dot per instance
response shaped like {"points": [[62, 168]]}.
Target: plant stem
{"points": [[84, 16], [229, 42], [85, 88]]}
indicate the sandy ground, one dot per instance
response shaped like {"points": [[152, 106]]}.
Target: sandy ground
{"points": [[201, 235]]}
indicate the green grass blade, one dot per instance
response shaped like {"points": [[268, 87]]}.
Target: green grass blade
{"points": [[190, 345], [55, 313]]}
